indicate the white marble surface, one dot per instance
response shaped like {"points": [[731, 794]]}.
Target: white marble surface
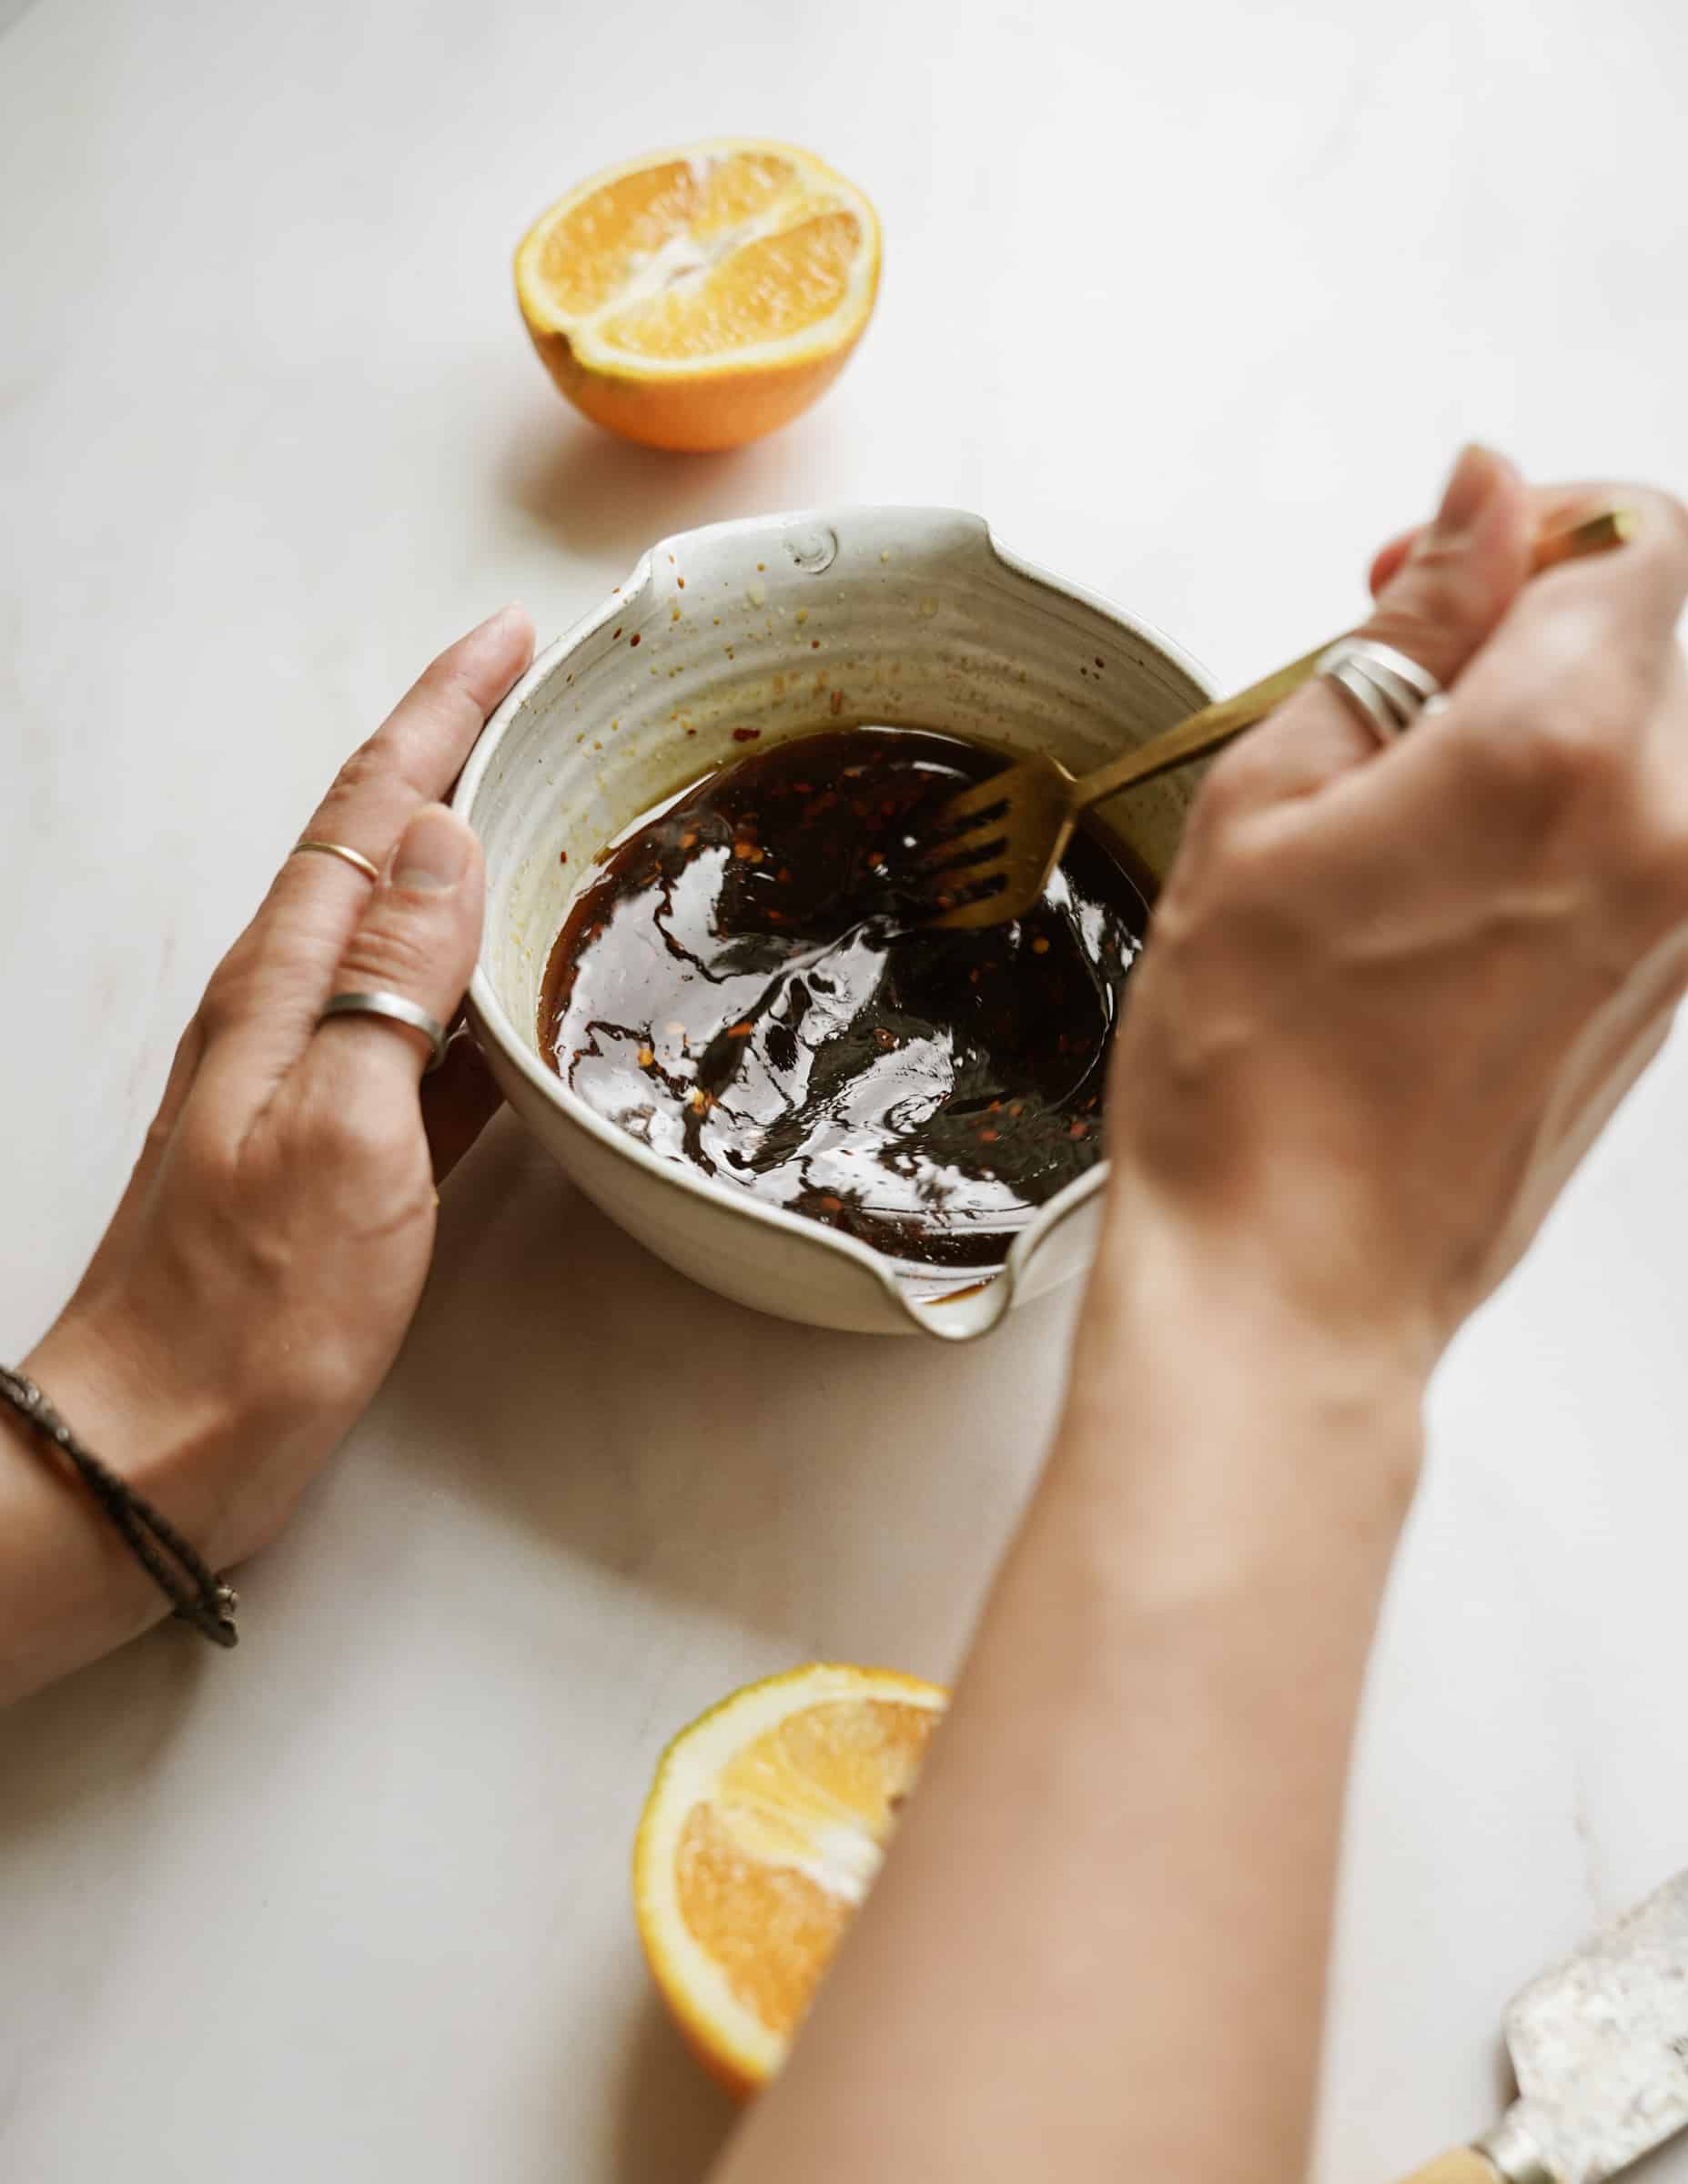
{"points": [[1193, 303]]}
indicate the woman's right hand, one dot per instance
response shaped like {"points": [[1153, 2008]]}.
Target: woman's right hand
{"points": [[1392, 995]]}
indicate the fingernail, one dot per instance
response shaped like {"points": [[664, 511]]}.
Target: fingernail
{"points": [[498, 620], [1469, 488], [432, 854]]}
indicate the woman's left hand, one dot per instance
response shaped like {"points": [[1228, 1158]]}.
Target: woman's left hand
{"points": [[264, 1264]]}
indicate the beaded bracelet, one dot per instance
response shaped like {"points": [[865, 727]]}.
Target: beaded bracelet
{"points": [[194, 1590]]}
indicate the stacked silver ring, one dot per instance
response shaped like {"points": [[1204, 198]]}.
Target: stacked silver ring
{"points": [[1386, 689]]}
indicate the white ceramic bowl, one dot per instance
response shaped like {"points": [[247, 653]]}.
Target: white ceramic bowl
{"points": [[790, 623]]}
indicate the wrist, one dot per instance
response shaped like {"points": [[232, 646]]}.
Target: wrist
{"points": [[170, 1440], [1283, 1277], [1221, 1425]]}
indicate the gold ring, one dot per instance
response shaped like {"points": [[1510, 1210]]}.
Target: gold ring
{"points": [[354, 857]]}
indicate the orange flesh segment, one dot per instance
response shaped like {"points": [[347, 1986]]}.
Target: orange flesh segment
{"points": [[764, 291], [591, 253], [826, 1780]]}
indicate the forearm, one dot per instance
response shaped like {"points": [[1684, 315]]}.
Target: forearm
{"points": [[1100, 1942], [70, 1590]]}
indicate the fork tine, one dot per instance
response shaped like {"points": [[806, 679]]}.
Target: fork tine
{"points": [[980, 802], [988, 839], [979, 900]]}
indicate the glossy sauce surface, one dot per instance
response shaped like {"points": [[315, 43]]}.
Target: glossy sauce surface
{"points": [[748, 988]]}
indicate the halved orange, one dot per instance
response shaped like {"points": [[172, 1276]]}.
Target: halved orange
{"points": [[697, 298], [762, 1833]]}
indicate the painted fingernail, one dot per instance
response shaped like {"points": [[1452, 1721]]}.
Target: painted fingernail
{"points": [[1470, 486], [433, 852]]}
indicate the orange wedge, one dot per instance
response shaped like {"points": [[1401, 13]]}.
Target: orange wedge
{"points": [[698, 299], [762, 1833]]}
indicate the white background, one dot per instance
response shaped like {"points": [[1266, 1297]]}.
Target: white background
{"points": [[1195, 304]]}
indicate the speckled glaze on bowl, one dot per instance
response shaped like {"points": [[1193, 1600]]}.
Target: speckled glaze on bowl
{"points": [[790, 623]]}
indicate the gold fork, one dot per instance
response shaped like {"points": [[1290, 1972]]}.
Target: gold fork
{"points": [[1003, 838]]}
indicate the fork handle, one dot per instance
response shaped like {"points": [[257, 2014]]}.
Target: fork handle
{"points": [[1201, 734], [1217, 725]]}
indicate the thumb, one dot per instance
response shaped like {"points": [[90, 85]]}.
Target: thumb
{"points": [[417, 939], [1443, 597]]}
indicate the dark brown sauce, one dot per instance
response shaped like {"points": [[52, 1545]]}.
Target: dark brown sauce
{"points": [[749, 989]]}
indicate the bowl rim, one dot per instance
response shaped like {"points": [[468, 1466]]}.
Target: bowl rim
{"points": [[490, 1020]]}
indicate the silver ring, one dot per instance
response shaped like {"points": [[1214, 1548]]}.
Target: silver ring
{"points": [[396, 1010], [1384, 687], [354, 857]]}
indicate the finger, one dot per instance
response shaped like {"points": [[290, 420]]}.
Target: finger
{"points": [[1557, 763], [1553, 508], [416, 939], [458, 1100], [264, 1000], [1614, 611], [1389, 558], [1442, 600], [1566, 716]]}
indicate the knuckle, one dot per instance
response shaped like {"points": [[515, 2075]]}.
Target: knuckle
{"points": [[347, 1129], [1440, 594], [224, 1000], [402, 954], [207, 1156], [1564, 734], [369, 765], [1572, 749]]}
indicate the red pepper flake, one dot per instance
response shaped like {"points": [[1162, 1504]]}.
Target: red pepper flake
{"points": [[838, 706], [690, 730], [831, 1204], [562, 856], [784, 875], [745, 735], [987, 1136], [634, 638], [1040, 947], [887, 1039], [995, 1108], [815, 644], [740, 1031], [679, 579], [876, 858], [1077, 1129], [776, 916], [747, 852]]}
